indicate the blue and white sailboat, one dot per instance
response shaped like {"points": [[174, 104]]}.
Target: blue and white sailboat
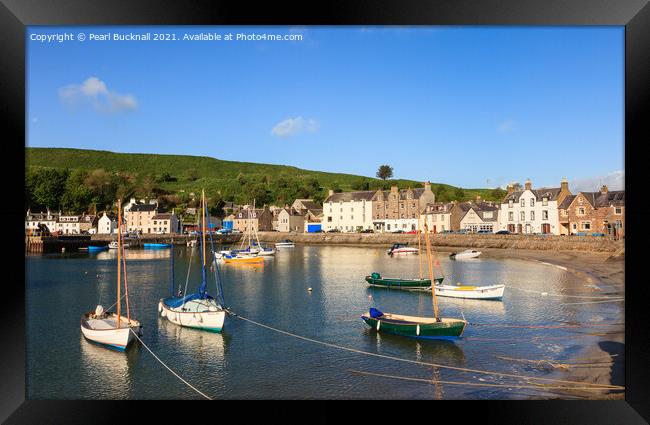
{"points": [[198, 309]]}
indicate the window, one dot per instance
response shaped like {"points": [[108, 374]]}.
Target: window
{"points": [[586, 225], [341, 217], [434, 217], [351, 217], [532, 202], [351, 209], [329, 219], [523, 202], [401, 206], [581, 211], [522, 216], [532, 215], [544, 215], [510, 203], [388, 227], [487, 214], [511, 216], [618, 211], [545, 201]]}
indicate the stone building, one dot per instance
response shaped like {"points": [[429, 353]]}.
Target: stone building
{"points": [[257, 220], [400, 209], [598, 212]]}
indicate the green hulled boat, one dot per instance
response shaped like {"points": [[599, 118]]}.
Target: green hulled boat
{"points": [[375, 279], [415, 327]]}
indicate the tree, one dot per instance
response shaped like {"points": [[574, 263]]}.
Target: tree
{"points": [[192, 174], [385, 172], [362, 184]]}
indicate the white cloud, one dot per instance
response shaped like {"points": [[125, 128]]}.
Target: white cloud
{"points": [[613, 181], [293, 126], [506, 126], [95, 91]]}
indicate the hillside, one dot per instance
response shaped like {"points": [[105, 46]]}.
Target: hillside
{"points": [[155, 175]]}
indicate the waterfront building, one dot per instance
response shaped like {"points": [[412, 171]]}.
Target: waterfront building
{"points": [[75, 224], [532, 211], [348, 211], [49, 219], [140, 218], [290, 220], [165, 223], [597, 212], [400, 209], [313, 221], [305, 204], [437, 217], [107, 224], [474, 216], [258, 219]]}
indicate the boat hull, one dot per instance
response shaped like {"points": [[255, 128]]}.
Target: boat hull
{"points": [[242, 260], [464, 255], [106, 334], [195, 315], [94, 248], [492, 292], [396, 283], [404, 251], [285, 245], [416, 327], [156, 245]]}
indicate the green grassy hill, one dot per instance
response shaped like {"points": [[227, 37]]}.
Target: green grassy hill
{"points": [[231, 180]]}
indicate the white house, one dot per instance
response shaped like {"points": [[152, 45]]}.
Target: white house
{"points": [[348, 211], [69, 224], [32, 220], [165, 223], [106, 225], [531, 210], [437, 217]]}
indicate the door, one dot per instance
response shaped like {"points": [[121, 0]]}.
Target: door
{"points": [[518, 228], [434, 229], [511, 228], [528, 229], [546, 228]]}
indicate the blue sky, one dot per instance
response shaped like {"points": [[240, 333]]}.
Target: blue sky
{"points": [[468, 106]]}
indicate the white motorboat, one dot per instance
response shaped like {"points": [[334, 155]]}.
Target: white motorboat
{"points": [[468, 253], [491, 292], [266, 252], [114, 245], [402, 249], [285, 244]]}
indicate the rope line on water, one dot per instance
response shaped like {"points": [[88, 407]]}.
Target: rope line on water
{"points": [[596, 302], [167, 367], [477, 384], [462, 369], [546, 294]]}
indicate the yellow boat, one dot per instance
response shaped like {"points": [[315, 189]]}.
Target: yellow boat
{"points": [[239, 260]]}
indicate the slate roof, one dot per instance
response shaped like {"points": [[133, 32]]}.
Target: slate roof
{"points": [[143, 207], [600, 200], [351, 196], [438, 208], [479, 208], [309, 204], [162, 216], [543, 192], [566, 202]]}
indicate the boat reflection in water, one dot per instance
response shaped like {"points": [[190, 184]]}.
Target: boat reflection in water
{"points": [[429, 351], [107, 373], [206, 348], [134, 254]]}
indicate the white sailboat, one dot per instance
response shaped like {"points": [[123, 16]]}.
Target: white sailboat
{"points": [[108, 328], [488, 292], [196, 310]]}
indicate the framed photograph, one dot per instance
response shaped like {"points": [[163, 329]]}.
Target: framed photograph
{"points": [[408, 201]]}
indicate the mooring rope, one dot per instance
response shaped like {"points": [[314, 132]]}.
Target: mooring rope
{"points": [[546, 294], [167, 367], [462, 369], [477, 384]]}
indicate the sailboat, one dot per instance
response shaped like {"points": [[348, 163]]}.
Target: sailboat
{"points": [[253, 253], [416, 326], [199, 309], [108, 328]]}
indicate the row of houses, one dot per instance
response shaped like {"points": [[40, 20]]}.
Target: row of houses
{"points": [[526, 211], [141, 217]]}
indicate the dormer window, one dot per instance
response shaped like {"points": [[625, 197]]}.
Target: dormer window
{"points": [[545, 201]]}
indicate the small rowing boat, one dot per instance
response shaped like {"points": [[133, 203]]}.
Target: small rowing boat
{"points": [[95, 248], [156, 245], [376, 279], [491, 292], [412, 326]]}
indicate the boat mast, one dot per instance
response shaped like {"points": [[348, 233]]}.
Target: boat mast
{"points": [[420, 251], [119, 249], [433, 290], [126, 283]]}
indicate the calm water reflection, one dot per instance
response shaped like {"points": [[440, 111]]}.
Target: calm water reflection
{"points": [[247, 361]]}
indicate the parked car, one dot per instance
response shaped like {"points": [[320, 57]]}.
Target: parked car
{"points": [[367, 231], [503, 232], [412, 232], [483, 232], [334, 231], [398, 231]]}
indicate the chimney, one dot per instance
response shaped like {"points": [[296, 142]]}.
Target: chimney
{"points": [[478, 198], [511, 188], [427, 186], [603, 189], [529, 185], [564, 185], [330, 192], [393, 189]]}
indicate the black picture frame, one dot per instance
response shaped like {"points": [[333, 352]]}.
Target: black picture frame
{"points": [[15, 15]]}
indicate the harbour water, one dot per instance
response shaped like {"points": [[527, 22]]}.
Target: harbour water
{"points": [[538, 318]]}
